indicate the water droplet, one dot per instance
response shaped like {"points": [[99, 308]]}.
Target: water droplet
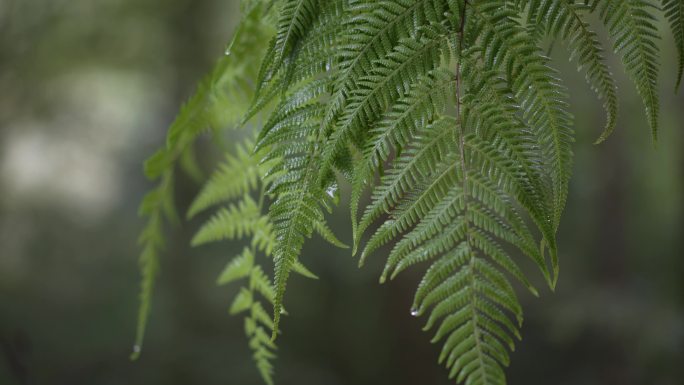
{"points": [[227, 53], [327, 66], [414, 312], [136, 348]]}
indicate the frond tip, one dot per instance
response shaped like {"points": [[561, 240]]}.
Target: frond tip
{"points": [[633, 27], [455, 214]]}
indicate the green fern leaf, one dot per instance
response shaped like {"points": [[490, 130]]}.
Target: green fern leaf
{"points": [[230, 223], [242, 302], [239, 267]]}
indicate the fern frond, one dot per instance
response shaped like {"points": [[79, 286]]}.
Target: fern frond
{"points": [[632, 26], [149, 266], [226, 93], [567, 19], [674, 12], [220, 98], [293, 136], [294, 213], [507, 48], [467, 165], [428, 97], [492, 111], [431, 145], [455, 226], [420, 200], [238, 221], [156, 206]]}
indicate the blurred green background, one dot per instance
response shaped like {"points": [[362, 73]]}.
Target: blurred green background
{"points": [[87, 89]]}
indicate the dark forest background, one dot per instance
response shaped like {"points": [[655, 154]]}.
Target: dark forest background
{"points": [[87, 89]]}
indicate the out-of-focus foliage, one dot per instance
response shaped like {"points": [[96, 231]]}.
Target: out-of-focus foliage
{"points": [[219, 102]]}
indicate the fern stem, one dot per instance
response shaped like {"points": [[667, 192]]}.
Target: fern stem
{"points": [[460, 133]]}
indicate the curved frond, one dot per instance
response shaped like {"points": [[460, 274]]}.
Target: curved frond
{"points": [[566, 19], [633, 27], [293, 135], [508, 48]]}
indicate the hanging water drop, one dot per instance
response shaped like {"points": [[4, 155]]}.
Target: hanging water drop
{"points": [[136, 348], [331, 191], [327, 66], [414, 312], [227, 52]]}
